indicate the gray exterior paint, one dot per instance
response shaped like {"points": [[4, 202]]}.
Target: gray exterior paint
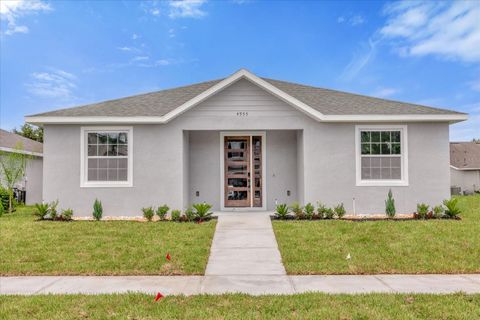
{"points": [[467, 180], [34, 180], [315, 161]]}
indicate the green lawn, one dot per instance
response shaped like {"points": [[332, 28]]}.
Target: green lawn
{"points": [[433, 246], [304, 306], [31, 247]]}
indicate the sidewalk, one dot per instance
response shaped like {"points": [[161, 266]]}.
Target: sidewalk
{"points": [[249, 284]]}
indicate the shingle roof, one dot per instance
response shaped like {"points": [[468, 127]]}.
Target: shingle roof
{"points": [[10, 140], [465, 155], [326, 101]]}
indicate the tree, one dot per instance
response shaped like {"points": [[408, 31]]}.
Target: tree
{"points": [[476, 140], [12, 166], [30, 132]]}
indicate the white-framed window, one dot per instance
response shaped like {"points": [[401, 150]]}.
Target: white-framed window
{"points": [[381, 155], [106, 157]]}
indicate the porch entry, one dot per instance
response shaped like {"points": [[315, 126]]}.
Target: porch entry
{"points": [[243, 170]]}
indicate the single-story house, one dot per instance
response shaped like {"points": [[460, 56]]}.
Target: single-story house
{"points": [[246, 143], [32, 181], [465, 166]]}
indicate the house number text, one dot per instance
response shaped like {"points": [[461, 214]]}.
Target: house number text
{"points": [[242, 114]]}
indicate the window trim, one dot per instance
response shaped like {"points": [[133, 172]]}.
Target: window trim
{"points": [[403, 156], [84, 183]]}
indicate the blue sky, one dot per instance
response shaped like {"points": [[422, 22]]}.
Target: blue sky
{"points": [[64, 53]]}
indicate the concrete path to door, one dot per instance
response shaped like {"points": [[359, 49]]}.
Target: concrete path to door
{"points": [[244, 244]]}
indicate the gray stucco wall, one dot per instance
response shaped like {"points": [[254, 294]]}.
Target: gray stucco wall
{"points": [[34, 180], [324, 152], [468, 180]]}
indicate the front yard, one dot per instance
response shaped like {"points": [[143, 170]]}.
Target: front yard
{"points": [[31, 247], [303, 306], [432, 246]]}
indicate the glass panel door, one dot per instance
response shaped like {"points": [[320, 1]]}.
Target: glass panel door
{"points": [[237, 172]]}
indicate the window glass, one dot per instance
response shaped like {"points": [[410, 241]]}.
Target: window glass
{"points": [[381, 155], [107, 156]]}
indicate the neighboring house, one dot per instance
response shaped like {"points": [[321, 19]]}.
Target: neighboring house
{"points": [[32, 182], [465, 166], [246, 143]]}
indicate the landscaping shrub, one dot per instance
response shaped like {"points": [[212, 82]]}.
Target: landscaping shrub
{"points": [[321, 210], [97, 210], [176, 215], [438, 212], [66, 214], [162, 211], [451, 208], [309, 211], [148, 213], [4, 195], [52, 210], [340, 210], [281, 211], [2, 210], [202, 211], [297, 210], [328, 213], [422, 211], [189, 214], [41, 210], [390, 205]]}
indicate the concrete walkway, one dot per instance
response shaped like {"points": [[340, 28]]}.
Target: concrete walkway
{"points": [[244, 244], [255, 285], [244, 259]]}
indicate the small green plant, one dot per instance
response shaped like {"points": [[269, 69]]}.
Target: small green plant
{"points": [[4, 197], [2, 210], [41, 210], [176, 215], [52, 210], [97, 210], [309, 210], [390, 205], [328, 213], [297, 210], [189, 214], [202, 211], [339, 210], [281, 211], [162, 211], [321, 208], [438, 212], [148, 213], [66, 214], [422, 211], [451, 208]]}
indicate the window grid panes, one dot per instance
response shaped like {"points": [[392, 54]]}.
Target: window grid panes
{"points": [[107, 156], [381, 155]]}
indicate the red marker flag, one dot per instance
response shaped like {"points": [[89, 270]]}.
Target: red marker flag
{"points": [[159, 296], [168, 256]]}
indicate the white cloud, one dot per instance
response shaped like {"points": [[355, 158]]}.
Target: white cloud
{"points": [[186, 9], [353, 20], [53, 84], [385, 92], [135, 36], [128, 49], [12, 10], [448, 30], [359, 61]]}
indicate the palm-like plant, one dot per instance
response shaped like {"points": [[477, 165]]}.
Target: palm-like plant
{"points": [[281, 211], [202, 211], [41, 210], [452, 210], [309, 210], [297, 210]]}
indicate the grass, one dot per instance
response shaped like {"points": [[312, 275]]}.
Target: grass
{"points": [[31, 247], [304, 306], [433, 246]]}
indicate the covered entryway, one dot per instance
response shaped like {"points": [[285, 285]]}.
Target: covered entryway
{"points": [[243, 170]]}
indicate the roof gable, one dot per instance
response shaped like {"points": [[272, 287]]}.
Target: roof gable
{"points": [[320, 104], [9, 142], [465, 155]]}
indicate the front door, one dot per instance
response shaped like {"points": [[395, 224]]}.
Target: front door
{"points": [[243, 171]]}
